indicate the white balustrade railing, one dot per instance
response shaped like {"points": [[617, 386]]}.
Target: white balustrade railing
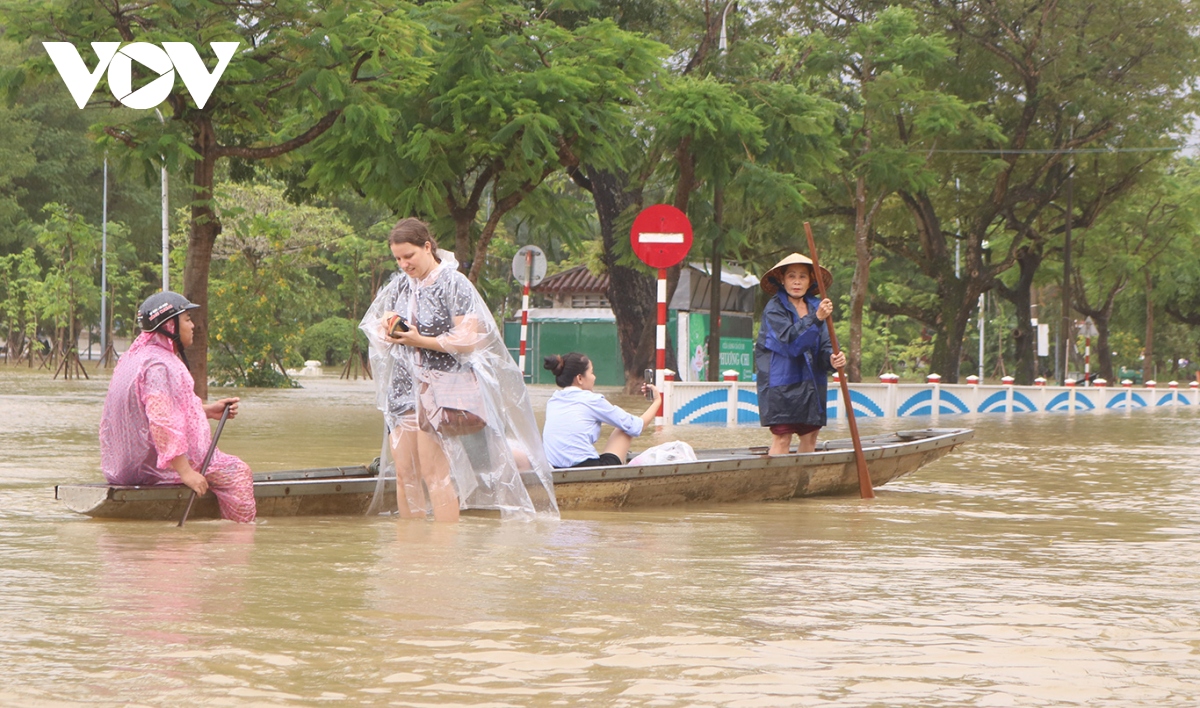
{"points": [[733, 402]]}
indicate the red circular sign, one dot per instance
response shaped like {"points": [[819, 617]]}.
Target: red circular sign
{"points": [[661, 236]]}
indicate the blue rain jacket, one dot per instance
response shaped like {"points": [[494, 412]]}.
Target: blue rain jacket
{"points": [[791, 357]]}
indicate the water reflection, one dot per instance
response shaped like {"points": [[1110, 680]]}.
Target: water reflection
{"points": [[1051, 562]]}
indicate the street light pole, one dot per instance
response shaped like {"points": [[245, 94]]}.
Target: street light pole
{"points": [[166, 242], [104, 265], [723, 43], [1064, 335]]}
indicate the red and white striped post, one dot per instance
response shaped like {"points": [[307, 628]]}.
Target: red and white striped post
{"points": [[1087, 359], [528, 267], [660, 338], [661, 236], [525, 309]]}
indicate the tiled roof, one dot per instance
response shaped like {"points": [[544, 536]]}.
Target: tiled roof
{"points": [[575, 280]]}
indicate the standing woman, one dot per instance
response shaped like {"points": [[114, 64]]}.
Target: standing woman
{"points": [[574, 415], [793, 355], [454, 403]]}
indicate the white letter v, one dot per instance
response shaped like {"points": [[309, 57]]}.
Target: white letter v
{"points": [[191, 69], [80, 82]]}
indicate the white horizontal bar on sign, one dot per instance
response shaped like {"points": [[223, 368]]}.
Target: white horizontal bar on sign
{"points": [[660, 238]]}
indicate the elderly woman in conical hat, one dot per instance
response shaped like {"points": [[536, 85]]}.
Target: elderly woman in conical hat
{"points": [[793, 355]]}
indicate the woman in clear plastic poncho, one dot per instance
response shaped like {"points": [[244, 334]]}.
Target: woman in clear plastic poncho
{"points": [[461, 431]]}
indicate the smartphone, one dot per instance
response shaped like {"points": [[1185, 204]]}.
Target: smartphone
{"points": [[648, 375]]}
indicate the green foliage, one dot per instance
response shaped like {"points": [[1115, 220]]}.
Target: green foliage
{"points": [[264, 287], [1126, 349], [17, 157], [509, 99], [329, 341], [20, 296], [71, 246]]}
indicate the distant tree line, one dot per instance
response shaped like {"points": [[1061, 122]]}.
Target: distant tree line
{"points": [[941, 150]]}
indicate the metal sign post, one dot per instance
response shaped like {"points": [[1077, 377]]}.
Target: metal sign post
{"points": [[529, 267], [661, 237]]}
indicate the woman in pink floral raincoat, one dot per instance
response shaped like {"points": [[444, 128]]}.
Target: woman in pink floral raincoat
{"points": [[154, 428]]}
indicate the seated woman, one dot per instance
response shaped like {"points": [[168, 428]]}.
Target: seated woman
{"points": [[574, 415]]}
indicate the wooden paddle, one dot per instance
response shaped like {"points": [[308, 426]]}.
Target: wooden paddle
{"points": [[864, 476], [207, 459]]}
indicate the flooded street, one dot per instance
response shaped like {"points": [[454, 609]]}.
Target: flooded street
{"points": [[1052, 561]]}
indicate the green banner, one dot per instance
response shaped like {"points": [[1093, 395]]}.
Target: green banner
{"points": [[737, 353]]}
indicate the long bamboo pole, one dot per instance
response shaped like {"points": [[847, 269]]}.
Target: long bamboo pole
{"points": [[864, 476]]}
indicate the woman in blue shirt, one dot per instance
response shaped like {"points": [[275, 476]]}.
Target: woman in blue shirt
{"points": [[574, 415], [793, 355]]}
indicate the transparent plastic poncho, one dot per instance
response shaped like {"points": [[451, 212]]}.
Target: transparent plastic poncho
{"points": [[501, 467]]}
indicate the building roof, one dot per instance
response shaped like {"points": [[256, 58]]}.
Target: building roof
{"points": [[573, 280], [570, 314]]}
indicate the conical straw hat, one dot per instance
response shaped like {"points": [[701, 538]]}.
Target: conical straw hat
{"points": [[773, 278]]}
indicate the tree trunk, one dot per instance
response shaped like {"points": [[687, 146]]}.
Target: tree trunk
{"points": [[201, 239], [462, 236], [714, 291], [957, 298], [858, 286], [957, 309], [631, 293], [1103, 351], [1101, 315], [1020, 295]]}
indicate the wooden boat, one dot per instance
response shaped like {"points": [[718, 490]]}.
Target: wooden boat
{"points": [[719, 476]]}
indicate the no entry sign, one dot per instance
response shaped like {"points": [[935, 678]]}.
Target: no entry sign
{"points": [[661, 236]]}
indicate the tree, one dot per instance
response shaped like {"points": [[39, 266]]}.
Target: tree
{"points": [[1126, 248], [71, 246], [1055, 76], [17, 158], [778, 132], [265, 287], [299, 70], [881, 66], [20, 284], [511, 98]]}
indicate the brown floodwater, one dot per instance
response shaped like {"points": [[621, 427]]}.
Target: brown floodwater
{"points": [[1051, 562]]}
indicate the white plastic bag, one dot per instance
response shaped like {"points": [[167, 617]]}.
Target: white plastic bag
{"points": [[669, 453]]}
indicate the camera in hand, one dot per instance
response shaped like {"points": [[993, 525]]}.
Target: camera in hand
{"points": [[648, 375]]}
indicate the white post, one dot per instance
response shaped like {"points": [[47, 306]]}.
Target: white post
{"points": [[104, 264], [981, 314], [660, 355], [166, 241], [723, 42], [1087, 359], [731, 403], [525, 310]]}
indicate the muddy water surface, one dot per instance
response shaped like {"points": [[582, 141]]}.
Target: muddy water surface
{"points": [[1051, 562]]}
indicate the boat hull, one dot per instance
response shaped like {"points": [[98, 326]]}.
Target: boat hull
{"points": [[742, 475], [719, 476]]}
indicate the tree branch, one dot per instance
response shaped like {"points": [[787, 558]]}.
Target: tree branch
{"points": [[263, 153]]}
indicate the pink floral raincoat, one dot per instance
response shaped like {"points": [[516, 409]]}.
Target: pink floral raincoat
{"points": [[152, 415]]}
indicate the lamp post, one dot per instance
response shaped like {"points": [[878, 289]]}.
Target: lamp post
{"points": [[1064, 351], [104, 265], [166, 245], [723, 43]]}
